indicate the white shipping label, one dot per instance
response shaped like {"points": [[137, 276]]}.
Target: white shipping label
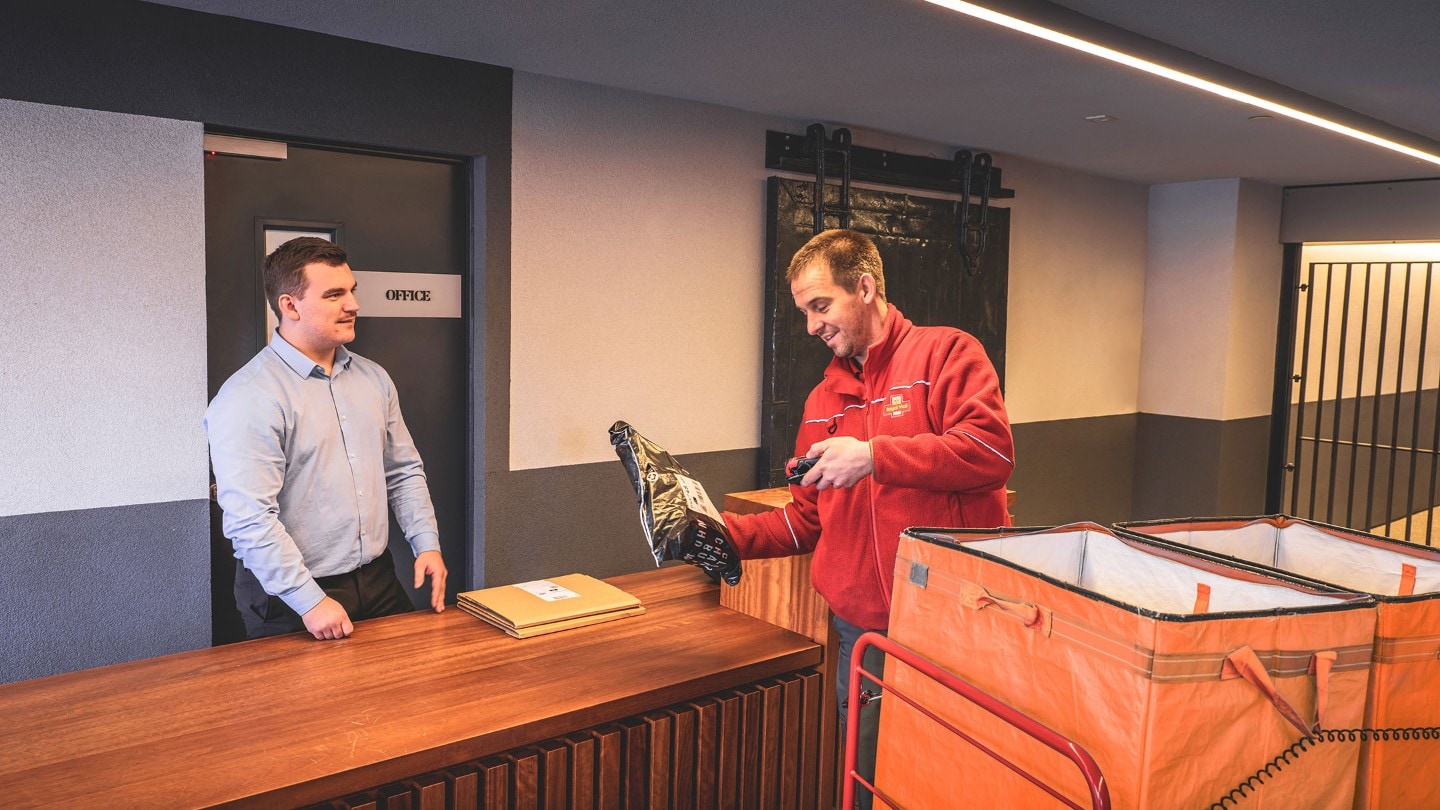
{"points": [[695, 496], [547, 590]]}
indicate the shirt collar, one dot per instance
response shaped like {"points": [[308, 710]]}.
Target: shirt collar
{"points": [[302, 365]]}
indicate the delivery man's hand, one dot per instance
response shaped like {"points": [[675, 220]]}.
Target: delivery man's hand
{"points": [[844, 460], [328, 620], [429, 562]]}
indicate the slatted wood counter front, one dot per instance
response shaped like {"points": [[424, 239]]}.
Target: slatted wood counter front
{"points": [[691, 704]]}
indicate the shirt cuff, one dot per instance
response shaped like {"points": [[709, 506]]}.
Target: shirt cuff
{"points": [[424, 541], [304, 598]]}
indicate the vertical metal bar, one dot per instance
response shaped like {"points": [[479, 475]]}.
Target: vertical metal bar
{"points": [[842, 140], [1434, 455], [1339, 398], [1359, 384], [1304, 380], [1284, 372], [1320, 391], [1415, 417], [1375, 411], [816, 134], [1395, 416]]}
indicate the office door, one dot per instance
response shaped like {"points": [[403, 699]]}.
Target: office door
{"points": [[394, 215]]}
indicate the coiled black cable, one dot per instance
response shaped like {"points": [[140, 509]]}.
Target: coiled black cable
{"points": [[1289, 755]]}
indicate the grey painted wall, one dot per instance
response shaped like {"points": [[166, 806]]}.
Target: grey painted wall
{"points": [[102, 365], [1362, 212], [85, 588]]}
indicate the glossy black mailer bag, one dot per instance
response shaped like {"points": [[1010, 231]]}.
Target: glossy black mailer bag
{"points": [[679, 520]]}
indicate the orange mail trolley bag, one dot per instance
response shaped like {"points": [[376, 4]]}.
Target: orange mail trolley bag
{"points": [[1181, 675], [1400, 755]]}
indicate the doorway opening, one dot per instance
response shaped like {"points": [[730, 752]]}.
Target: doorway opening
{"points": [[398, 216], [1363, 435]]}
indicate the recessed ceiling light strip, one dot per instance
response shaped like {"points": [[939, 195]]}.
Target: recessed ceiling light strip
{"points": [[1016, 24]]}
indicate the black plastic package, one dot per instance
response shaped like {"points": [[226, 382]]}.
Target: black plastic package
{"points": [[679, 520]]}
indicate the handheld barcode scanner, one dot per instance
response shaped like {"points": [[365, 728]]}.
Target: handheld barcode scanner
{"points": [[796, 468]]}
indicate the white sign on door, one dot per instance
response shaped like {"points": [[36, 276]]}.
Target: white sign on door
{"points": [[407, 295]]}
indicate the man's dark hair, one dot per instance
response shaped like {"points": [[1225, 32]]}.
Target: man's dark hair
{"points": [[849, 254], [284, 269]]}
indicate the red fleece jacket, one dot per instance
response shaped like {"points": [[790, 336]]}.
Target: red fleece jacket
{"points": [[928, 401]]}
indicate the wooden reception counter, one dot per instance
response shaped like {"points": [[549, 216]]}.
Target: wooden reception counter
{"points": [[691, 704]]}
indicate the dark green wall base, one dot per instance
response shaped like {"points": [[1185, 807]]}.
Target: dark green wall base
{"points": [[584, 518], [1199, 467], [1074, 469], [1138, 467]]}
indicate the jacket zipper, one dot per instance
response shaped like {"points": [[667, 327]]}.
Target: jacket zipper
{"points": [[870, 493]]}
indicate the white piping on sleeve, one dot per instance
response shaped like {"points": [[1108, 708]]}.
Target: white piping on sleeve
{"points": [[785, 511], [988, 447]]}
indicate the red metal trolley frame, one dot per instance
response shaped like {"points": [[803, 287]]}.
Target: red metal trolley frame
{"points": [[1099, 791]]}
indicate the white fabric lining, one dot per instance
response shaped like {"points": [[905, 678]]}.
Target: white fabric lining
{"points": [[1313, 552], [1099, 562]]}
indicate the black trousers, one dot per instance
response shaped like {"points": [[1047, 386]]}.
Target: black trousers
{"points": [[869, 735], [368, 592]]}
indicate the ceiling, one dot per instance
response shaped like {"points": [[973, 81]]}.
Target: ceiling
{"points": [[913, 69]]}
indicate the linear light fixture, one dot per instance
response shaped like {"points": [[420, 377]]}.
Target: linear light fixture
{"points": [[1069, 41]]}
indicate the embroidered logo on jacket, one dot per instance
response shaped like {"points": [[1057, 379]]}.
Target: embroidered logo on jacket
{"points": [[897, 406]]}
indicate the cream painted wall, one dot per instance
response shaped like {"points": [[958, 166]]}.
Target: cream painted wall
{"points": [[1254, 302], [637, 270], [1211, 299], [1077, 285], [102, 325], [1191, 251], [638, 261]]}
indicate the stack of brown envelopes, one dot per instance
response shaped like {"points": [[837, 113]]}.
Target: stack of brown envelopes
{"points": [[550, 605]]}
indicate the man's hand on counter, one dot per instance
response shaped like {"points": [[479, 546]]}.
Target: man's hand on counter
{"points": [[328, 620], [429, 562]]}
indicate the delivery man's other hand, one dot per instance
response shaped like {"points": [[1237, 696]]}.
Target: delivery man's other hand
{"points": [[430, 562], [844, 460], [328, 619]]}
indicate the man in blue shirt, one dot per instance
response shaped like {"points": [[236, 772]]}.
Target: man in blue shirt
{"points": [[308, 444]]}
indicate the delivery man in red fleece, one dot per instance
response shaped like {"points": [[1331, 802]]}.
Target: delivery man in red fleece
{"points": [[908, 428]]}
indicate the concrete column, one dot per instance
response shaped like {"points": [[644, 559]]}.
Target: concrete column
{"points": [[1212, 290]]}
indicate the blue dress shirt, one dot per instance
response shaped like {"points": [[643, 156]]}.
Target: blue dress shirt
{"points": [[304, 463]]}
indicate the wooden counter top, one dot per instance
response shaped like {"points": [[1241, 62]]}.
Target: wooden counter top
{"points": [[291, 720]]}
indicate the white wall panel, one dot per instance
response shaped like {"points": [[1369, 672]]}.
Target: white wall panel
{"points": [[1077, 285], [1254, 302], [1187, 298], [102, 322], [637, 272]]}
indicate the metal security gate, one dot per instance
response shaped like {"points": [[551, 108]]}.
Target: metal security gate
{"points": [[1358, 426]]}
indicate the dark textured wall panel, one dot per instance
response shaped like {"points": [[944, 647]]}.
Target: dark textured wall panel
{"points": [[100, 586], [1074, 469]]}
